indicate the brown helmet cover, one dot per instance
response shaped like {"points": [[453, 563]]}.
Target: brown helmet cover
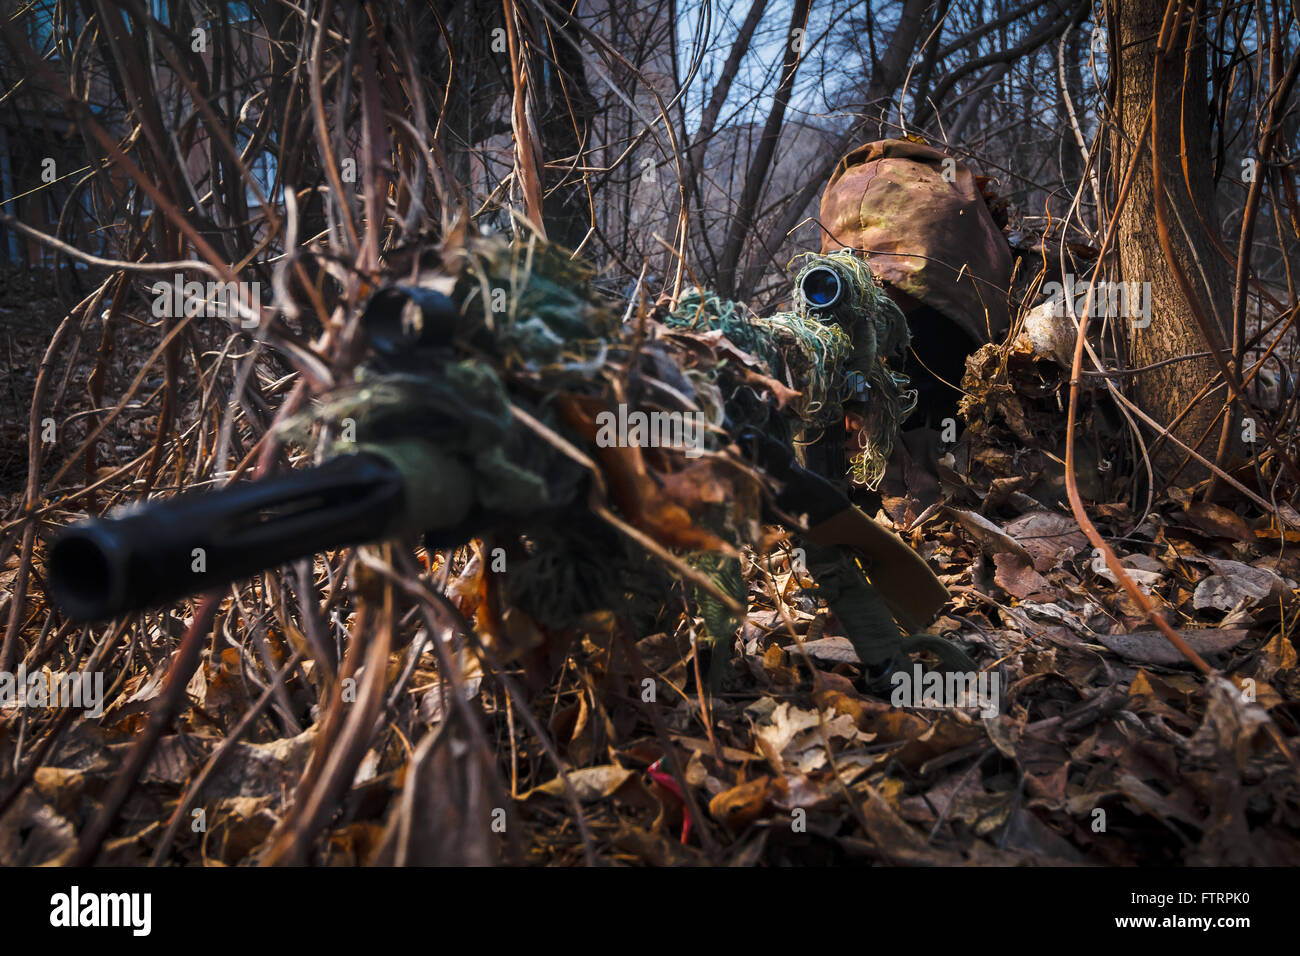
{"points": [[932, 239]]}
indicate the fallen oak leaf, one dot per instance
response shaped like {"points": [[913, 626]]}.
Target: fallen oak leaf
{"points": [[1278, 654], [992, 539], [1218, 521], [589, 783], [1018, 577], [1234, 582], [834, 650], [944, 735], [783, 724], [1174, 806], [1144, 578], [1152, 647], [1046, 535], [894, 840]]}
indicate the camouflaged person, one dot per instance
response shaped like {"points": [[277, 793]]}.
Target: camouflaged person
{"points": [[921, 221]]}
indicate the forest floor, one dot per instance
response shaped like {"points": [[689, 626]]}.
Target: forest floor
{"points": [[1106, 746]]}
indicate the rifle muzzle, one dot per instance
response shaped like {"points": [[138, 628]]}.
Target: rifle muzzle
{"points": [[156, 552]]}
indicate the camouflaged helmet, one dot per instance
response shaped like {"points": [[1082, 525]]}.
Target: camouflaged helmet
{"points": [[922, 222]]}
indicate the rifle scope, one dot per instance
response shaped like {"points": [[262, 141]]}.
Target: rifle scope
{"points": [[822, 287]]}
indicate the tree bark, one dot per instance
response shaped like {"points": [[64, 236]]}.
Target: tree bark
{"points": [[565, 131], [1173, 332]]}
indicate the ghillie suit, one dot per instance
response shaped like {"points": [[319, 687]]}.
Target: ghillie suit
{"points": [[838, 356], [602, 451], [535, 335], [835, 351]]}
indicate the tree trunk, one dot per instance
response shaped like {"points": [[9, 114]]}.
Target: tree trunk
{"points": [[1179, 116], [565, 130], [747, 208]]}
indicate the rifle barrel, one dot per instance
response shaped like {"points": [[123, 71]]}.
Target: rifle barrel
{"points": [[155, 552]]}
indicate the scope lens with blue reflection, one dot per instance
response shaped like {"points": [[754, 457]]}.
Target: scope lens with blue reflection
{"points": [[821, 287]]}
